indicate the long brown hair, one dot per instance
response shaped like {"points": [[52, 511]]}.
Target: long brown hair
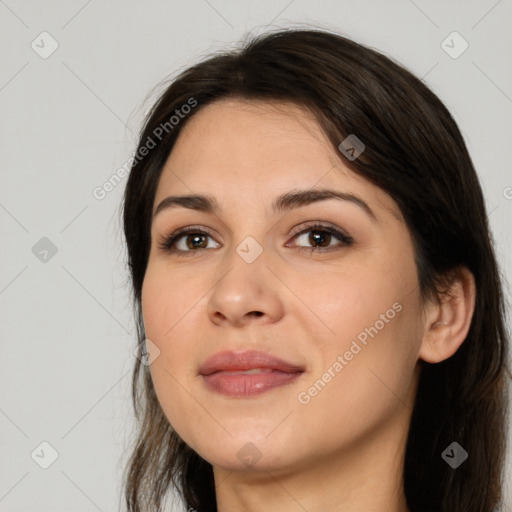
{"points": [[415, 153]]}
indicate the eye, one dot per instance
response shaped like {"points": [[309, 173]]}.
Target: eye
{"points": [[188, 241], [320, 236]]}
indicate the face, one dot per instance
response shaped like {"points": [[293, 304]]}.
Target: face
{"points": [[327, 285]]}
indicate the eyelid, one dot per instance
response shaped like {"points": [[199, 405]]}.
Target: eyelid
{"points": [[168, 242], [319, 224], [339, 233]]}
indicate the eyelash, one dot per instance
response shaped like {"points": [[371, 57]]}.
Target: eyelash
{"points": [[168, 243]]}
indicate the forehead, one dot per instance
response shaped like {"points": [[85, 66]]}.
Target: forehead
{"points": [[240, 135], [239, 150]]}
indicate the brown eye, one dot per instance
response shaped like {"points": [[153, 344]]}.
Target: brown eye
{"points": [[186, 241], [320, 237], [195, 241]]}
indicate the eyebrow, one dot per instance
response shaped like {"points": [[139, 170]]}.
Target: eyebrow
{"points": [[285, 202]]}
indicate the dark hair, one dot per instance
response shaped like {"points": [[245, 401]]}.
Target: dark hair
{"points": [[416, 154]]}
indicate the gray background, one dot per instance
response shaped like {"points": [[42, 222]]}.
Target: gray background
{"points": [[70, 120]]}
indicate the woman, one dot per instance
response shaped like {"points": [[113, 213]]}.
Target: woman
{"points": [[317, 295]]}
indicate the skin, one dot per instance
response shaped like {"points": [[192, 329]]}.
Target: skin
{"points": [[343, 450]]}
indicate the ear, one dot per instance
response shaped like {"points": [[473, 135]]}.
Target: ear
{"points": [[447, 323]]}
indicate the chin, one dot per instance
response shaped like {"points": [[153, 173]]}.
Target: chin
{"points": [[249, 457], [246, 449]]}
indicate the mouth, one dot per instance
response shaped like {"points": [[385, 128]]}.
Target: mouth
{"points": [[246, 374]]}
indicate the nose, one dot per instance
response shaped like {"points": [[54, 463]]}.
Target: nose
{"points": [[246, 293]]}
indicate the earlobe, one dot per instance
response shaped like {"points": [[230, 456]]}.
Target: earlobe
{"points": [[447, 323]]}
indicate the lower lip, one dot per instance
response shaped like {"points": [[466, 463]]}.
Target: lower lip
{"points": [[244, 385]]}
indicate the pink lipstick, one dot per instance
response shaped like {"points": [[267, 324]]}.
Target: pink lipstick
{"points": [[249, 373]]}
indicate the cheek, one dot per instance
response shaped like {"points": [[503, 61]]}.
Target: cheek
{"points": [[363, 383], [369, 357], [168, 302], [169, 306], [360, 302], [166, 311]]}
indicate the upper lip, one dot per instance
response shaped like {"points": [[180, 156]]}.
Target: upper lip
{"points": [[247, 360]]}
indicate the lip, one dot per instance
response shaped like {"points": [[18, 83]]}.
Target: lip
{"points": [[223, 373]]}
